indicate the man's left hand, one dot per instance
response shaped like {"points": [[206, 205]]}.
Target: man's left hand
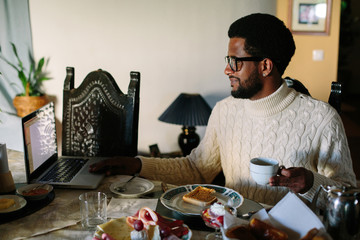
{"points": [[297, 179]]}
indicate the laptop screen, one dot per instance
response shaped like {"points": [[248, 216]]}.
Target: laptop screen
{"points": [[39, 135]]}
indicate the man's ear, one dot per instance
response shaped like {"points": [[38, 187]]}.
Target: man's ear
{"points": [[267, 67]]}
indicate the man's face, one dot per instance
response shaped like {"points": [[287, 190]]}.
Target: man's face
{"points": [[246, 82]]}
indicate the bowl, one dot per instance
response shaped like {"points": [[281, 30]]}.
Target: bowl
{"points": [[35, 191], [262, 169]]}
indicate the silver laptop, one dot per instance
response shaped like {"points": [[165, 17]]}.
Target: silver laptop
{"points": [[42, 163]]}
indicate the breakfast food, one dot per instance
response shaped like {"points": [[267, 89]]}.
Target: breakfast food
{"points": [[262, 230], [239, 232], [256, 230], [119, 229], [314, 234], [157, 227], [146, 224], [200, 196], [6, 203], [35, 192], [259, 230], [116, 228], [214, 215]]}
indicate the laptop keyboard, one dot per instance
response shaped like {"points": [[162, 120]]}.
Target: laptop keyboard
{"points": [[64, 170]]}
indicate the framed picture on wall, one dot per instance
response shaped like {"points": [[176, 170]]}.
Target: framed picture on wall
{"points": [[309, 16]]}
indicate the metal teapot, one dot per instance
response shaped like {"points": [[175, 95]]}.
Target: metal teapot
{"points": [[342, 212]]}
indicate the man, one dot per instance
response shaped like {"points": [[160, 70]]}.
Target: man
{"points": [[262, 118]]}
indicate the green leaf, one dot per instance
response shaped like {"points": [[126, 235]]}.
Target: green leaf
{"points": [[9, 63], [31, 58], [30, 72], [23, 79], [40, 65], [35, 74], [17, 56], [44, 79]]}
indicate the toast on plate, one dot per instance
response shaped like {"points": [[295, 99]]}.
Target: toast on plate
{"points": [[200, 196]]}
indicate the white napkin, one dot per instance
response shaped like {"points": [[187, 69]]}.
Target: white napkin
{"points": [[122, 207]]}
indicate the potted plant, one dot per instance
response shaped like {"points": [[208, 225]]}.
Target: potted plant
{"points": [[31, 96]]}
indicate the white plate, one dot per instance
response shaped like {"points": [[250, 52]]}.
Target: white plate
{"points": [[138, 186], [172, 199], [20, 202]]}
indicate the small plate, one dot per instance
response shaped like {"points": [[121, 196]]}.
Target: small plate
{"points": [[172, 199], [20, 202], [138, 186]]}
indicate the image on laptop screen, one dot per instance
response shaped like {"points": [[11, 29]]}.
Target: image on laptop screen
{"points": [[40, 137]]}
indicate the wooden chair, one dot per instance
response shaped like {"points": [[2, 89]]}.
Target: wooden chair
{"points": [[297, 85], [98, 118], [334, 97]]}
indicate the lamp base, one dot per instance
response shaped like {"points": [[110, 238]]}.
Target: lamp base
{"points": [[188, 140]]}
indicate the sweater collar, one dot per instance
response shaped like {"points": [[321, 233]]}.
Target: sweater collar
{"points": [[272, 104]]}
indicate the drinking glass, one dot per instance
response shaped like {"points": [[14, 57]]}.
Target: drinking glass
{"points": [[93, 209]]}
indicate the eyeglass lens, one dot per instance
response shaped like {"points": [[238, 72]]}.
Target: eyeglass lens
{"points": [[233, 63]]}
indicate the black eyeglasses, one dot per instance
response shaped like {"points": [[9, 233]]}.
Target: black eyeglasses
{"points": [[235, 63]]}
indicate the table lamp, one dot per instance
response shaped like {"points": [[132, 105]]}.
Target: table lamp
{"points": [[189, 110]]}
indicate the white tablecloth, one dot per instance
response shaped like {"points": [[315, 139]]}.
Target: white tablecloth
{"points": [[61, 218]]}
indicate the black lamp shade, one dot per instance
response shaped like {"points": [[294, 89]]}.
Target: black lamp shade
{"points": [[187, 110]]}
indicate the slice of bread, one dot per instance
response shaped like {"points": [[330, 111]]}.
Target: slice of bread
{"points": [[200, 196]]}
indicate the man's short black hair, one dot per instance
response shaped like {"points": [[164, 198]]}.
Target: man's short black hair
{"points": [[265, 36]]}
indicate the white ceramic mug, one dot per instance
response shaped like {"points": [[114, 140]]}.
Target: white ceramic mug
{"points": [[262, 169], [93, 209]]}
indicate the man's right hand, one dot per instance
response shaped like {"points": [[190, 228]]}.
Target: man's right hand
{"points": [[117, 165]]}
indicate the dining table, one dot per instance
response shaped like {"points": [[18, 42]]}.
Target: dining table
{"points": [[58, 216]]}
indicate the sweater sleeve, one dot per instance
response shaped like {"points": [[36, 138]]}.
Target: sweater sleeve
{"points": [[200, 166], [333, 165]]}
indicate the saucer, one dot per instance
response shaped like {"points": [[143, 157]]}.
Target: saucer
{"points": [[137, 187]]}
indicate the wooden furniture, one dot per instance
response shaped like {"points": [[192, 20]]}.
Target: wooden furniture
{"points": [[98, 118], [334, 97], [297, 85]]}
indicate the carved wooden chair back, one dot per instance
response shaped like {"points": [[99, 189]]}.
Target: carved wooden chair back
{"points": [[334, 97], [98, 118]]}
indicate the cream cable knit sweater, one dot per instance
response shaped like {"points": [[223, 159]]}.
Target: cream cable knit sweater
{"points": [[293, 128]]}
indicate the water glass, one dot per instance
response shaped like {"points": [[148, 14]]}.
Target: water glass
{"points": [[93, 209]]}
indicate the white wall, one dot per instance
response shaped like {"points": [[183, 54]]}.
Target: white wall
{"points": [[178, 46]]}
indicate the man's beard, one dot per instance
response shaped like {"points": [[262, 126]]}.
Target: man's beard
{"points": [[249, 87]]}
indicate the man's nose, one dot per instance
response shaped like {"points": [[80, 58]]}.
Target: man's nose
{"points": [[228, 70]]}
